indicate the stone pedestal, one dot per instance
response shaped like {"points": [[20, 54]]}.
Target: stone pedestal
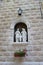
{"points": [[20, 45]]}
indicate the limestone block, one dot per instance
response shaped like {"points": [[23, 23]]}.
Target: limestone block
{"points": [[36, 48], [21, 63]]}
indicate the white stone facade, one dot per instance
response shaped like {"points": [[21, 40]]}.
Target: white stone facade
{"points": [[31, 16]]}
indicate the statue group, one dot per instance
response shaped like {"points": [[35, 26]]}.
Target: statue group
{"points": [[21, 36]]}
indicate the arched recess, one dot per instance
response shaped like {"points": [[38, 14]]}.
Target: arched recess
{"points": [[20, 25]]}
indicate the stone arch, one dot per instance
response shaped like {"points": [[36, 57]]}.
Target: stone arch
{"points": [[23, 20]]}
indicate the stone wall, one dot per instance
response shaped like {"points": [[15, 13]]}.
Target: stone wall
{"points": [[8, 16]]}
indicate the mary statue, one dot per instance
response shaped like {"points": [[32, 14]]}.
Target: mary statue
{"points": [[17, 35], [24, 35]]}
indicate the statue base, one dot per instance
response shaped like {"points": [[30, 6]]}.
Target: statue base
{"points": [[20, 45]]}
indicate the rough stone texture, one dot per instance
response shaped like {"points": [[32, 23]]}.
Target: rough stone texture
{"points": [[21, 63], [8, 17]]}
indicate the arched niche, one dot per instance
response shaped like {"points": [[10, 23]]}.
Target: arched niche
{"points": [[20, 25]]}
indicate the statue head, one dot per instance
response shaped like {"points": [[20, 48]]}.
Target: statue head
{"points": [[18, 29], [23, 29]]}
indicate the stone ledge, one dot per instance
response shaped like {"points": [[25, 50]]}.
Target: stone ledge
{"points": [[21, 63], [20, 43]]}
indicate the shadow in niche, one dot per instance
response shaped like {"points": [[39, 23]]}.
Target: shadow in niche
{"points": [[20, 25]]}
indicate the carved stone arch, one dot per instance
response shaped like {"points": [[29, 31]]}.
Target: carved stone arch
{"points": [[19, 20], [23, 20]]}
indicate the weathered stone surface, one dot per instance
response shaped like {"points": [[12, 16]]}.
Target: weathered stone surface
{"points": [[8, 18], [21, 63]]}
